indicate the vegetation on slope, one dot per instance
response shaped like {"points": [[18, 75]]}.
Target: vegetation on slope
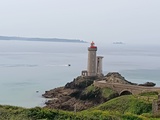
{"points": [[125, 104], [13, 113], [100, 93], [121, 108], [78, 93], [16, 113], [151, 93]]}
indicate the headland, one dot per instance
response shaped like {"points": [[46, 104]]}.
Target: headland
{"points": [[93, 88], [87, 92], [41, 39]]}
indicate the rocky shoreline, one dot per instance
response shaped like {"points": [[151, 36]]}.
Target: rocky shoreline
{"points": [[80, 94]]}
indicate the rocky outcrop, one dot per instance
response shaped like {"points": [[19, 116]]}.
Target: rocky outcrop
{"points": [[80, 82], [148, 84], [79, 94], [115, 77]]}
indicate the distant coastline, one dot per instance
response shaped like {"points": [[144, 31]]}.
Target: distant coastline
{"points": [[41, 39]]}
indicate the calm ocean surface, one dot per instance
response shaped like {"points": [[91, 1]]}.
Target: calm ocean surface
{"points": [[27, 67]]}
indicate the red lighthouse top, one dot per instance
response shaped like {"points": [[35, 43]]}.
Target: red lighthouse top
{"points": [[93, 45]]}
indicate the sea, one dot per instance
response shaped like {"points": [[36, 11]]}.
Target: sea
{"points": [[29, 68]]}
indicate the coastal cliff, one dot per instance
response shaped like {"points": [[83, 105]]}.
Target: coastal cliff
{"points": [[82, 94]]}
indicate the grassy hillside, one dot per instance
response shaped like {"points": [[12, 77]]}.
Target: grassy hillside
{"points": [[121, 108], [125, 104], [15, 113]]}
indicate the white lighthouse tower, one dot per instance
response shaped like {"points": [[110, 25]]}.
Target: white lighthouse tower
{"points": [[92, 71], [94, 62]]}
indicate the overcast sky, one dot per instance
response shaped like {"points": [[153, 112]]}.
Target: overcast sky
{"points": [[129, 21]]}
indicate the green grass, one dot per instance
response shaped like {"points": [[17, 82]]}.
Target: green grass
{"points": [[147, 96], [125, 104], [13, 113], [90, 89], [107, 92], [149, 93], [121, 108]]}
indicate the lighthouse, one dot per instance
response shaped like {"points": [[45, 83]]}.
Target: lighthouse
{"points": [[92, 56], [94, 66]]}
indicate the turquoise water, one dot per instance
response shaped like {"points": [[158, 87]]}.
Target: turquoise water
{"points": [[27, 67]]}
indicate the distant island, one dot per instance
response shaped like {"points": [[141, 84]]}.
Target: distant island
{"points": [[41, 39], [118, 42]]}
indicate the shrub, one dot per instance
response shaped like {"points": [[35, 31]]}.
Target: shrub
{"points": [[130, 117], [149, 93]]}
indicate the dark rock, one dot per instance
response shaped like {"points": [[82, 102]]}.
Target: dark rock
{"points": [[80, 82], [66, 106], [148, 84], [115, 77], [76, 93]]}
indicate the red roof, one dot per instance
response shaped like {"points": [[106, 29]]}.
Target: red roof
{"points": [[93, 45]]}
